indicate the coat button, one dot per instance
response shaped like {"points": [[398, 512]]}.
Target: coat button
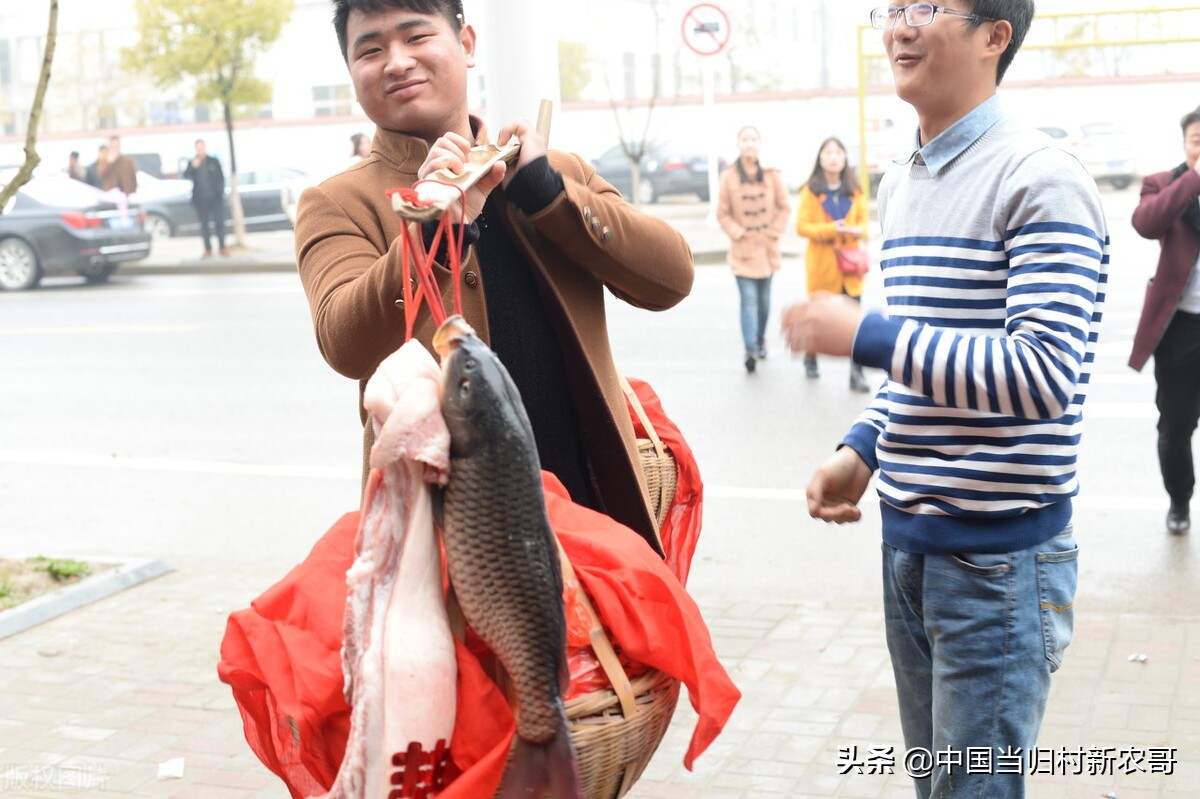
{"points": [[606, 234], [470, 278], [400, 304], [596, 224], [587, 214]]}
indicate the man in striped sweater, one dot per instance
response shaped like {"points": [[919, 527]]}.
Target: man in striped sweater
{"points": [[994, 264]]}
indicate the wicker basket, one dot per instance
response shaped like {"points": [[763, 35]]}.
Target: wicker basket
{"points": [[616, 730], [658, 464], [614, 743]]}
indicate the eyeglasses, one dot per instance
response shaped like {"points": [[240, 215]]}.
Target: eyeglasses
{"points": [[915, 16]]}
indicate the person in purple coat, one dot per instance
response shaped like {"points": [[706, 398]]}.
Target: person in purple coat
{"points": [[1169, 328]]}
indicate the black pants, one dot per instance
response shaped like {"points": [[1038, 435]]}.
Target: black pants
{"points": [[212, 214], [1177, 372]]}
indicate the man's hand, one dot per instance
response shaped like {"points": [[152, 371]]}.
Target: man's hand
{"points": [[837, 486], [451, 152], [533, 146], [825, 325]]}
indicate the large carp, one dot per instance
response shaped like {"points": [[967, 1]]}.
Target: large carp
{"points": [[502, 557]]}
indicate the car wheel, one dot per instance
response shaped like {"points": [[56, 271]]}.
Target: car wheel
{"points": [[158, 226], [646, 193], [19, 268], [97, 273], [1121, 182]]}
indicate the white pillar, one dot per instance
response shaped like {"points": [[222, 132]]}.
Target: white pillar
{"points": [[516, 59]]}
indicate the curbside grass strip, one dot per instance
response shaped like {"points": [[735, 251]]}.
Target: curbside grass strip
{"points": [[126, 574]]}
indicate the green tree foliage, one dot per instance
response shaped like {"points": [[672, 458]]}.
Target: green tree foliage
{"points": [[212, 44], [574, 69]]}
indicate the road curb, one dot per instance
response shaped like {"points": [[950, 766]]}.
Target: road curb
{"points": [[125, 574], [700, 258], [244, 267]]}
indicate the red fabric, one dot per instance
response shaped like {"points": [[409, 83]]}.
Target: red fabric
{"points": [[282, 655], [681, 527]]}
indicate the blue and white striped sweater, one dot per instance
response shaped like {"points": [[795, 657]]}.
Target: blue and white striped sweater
{"points": [[988, 345]]}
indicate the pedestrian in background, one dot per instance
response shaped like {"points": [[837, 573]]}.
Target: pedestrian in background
{"points": [[117, 171], [92, 175], [360, 147], [1169, 210], [833, 214], [74, 169], [753, 210], [208, 196], [995, 271]]}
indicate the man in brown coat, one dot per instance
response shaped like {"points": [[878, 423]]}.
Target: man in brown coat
{"points": [[117, 171], [546, 237], [1169, 210]]}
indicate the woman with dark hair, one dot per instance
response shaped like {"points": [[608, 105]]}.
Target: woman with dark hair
{"points": [[753, 210], [360, 147], [833, 214]]}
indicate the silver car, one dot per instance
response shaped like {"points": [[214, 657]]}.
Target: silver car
{"points": [[1104, 149], [55, 225]]}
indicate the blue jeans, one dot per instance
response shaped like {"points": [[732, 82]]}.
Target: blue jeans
{"points": [[974, 639], [756, 305]]}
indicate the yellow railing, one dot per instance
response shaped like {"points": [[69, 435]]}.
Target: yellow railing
{"points": [[1032, 42]]}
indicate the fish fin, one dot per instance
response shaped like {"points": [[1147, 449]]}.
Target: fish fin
{"points": [[539, 770]]}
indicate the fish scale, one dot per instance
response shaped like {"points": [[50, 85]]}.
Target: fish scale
{"points": [[497, 583], [499, 547], [502, 557]]}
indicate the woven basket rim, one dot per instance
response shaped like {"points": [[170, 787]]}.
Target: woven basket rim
{"points": [[644, 686]]}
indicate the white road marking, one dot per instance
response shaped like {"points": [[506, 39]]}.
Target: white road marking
{"points": [[97, 330], [72, 459], [310, 472]]}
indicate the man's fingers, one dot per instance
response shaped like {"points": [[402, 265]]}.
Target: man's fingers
{"points": [[839, 512], [493, 178]]}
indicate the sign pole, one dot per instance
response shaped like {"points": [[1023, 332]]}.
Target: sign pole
{"points": [[712, 153], [705, 31]]}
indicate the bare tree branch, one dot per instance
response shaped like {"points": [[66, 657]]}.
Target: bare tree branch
{"points": [[32, 159]]}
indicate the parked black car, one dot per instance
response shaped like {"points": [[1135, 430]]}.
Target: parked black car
{"points": [[665, 170], [58, 226], [265, 194]]}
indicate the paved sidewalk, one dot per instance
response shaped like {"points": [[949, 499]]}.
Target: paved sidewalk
{"points": [[97, 701]]}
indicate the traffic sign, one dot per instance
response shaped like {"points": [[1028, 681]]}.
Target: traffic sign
{"points": [[705, 29]]}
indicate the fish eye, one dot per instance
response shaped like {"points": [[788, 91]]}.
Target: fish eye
{"points": [[470, 364], [464, 387]]}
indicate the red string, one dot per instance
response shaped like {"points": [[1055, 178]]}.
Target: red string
{"points": [[413, 254]]}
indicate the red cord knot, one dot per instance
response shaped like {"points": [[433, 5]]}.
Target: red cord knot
{"points": [[409, 196]]}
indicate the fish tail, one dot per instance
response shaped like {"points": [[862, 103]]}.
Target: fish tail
{"points": [[540, 770]]}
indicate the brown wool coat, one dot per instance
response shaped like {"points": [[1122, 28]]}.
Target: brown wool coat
{"points": [[754, 216], [587, 240], [120, 174]]}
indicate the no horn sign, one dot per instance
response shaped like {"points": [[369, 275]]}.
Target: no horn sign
{"points": [[705, 29]]}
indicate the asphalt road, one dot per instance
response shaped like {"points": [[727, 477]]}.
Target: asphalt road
{"points": [[191, 418]]}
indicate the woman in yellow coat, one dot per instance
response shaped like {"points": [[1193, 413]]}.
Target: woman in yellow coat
{"points": [[753, 211], [833, 213]]}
